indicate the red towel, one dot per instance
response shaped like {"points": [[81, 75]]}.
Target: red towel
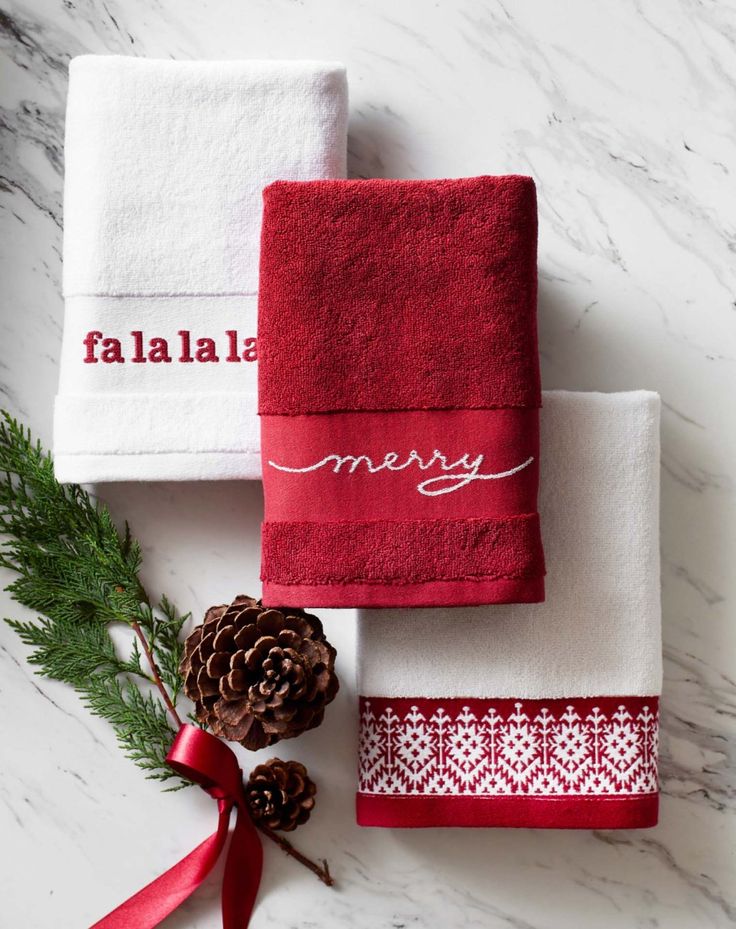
{"points": [[399, 393]]}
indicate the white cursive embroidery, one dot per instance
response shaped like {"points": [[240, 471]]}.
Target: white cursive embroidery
{"points": [[469, 470]]}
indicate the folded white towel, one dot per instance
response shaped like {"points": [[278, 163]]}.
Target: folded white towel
{"points": [[542, 714], [165, 164]]}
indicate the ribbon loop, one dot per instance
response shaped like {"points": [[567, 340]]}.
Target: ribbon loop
{"points": [[202, 758]]}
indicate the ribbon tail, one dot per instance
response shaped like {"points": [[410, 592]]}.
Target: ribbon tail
{"points": [[242, 877], [162, 896]]}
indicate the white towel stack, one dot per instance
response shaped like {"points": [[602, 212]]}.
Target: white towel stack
{"points": [[165, 164]]}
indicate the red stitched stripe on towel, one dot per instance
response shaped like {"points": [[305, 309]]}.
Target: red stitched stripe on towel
{"points": [[393, 552], [509, 812]]}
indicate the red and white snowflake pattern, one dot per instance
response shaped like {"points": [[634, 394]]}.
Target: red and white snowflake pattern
{"points": [[596, 747]]}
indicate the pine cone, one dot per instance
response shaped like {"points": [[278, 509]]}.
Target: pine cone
{"points": [[258, 675], [280, 794]]}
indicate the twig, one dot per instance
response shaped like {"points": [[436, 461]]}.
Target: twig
{"points": [[323, 872], [156, 675]]}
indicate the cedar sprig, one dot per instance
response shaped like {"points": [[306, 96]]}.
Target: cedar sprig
{"points": [[140, 721], [80, 574]]}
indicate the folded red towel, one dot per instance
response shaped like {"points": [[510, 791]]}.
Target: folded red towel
{"points": [[399, 393]]}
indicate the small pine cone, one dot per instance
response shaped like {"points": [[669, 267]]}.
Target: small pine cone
{"points": [[258, 675], [280, 794]]}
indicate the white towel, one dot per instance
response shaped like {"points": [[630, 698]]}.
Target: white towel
{"points": [[165, 164], [538, 715]]}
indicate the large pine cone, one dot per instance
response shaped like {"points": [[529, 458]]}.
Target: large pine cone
{"points": [[258, 675], [280, 794]]}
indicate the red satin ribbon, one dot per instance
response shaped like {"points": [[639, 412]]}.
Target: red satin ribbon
{"points": [[207, 761]]}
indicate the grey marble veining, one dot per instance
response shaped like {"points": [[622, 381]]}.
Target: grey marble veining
{"points": [[623, 112]]}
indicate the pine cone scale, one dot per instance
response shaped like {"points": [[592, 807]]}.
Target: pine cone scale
{"points": [[217, 664], [224, 639], [231, 685], [207, 686], [289, 639], [246, 638]]}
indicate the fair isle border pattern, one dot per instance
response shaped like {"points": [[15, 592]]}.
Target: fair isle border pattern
{"points": [[587, 747]]}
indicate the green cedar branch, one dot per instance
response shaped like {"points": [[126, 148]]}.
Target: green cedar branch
{"points": [[80, 575]]}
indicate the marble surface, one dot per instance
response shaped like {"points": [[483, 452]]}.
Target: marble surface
{"points": [[623, 112]]}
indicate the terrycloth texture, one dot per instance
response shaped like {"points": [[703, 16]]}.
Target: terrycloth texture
{"points": [[165, 166], [399, 393], [545, 714]]}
